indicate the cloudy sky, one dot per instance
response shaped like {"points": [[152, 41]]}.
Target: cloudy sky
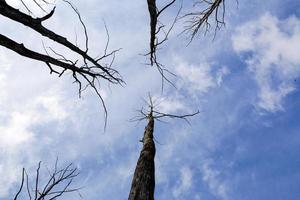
{"points": [[245, 143]]}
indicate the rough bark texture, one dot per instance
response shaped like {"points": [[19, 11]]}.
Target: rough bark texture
{"points": [[153, 24], [143, 183]]}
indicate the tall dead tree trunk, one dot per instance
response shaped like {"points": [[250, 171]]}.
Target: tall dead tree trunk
{"points": [[143, 183]]}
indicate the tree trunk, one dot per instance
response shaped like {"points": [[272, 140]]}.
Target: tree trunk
{"points": [[153, 25], [143, 182]]}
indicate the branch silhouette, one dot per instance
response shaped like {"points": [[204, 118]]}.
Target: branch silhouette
{"points": [[87, 71], [156, 28], [58, 183], [201, 19]]}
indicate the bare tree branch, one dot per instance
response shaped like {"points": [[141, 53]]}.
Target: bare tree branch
{"points": [[21, 187], [59, 183], [39, 5], [157, 115], [201, 19], [156, 27], [88, 71]]}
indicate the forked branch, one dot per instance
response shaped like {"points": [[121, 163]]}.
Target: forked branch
{"points": [[159, 35], [151, 112], [87, 71], [59, 182], [201, 19]]}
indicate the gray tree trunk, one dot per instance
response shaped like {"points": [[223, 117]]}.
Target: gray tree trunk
{"points": [[143, 183]]}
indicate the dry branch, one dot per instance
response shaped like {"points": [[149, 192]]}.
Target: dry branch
{"points": [[155, 114], [87, 70], [201, 19], [156, 28], [58, 183]]}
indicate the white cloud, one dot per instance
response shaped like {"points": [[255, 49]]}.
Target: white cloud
{"points": [[18, 133], [168, 104], [212, 178], [186, 181], [199, 79], [196, 78], [4, 61], [52, 103], [5, 65], [274, 56], [10, 173], [221, 73]]}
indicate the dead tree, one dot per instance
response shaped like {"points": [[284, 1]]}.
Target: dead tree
{"points": [[201, 18], [156, 27], [143, 182], [58, 184], [87, 71]]}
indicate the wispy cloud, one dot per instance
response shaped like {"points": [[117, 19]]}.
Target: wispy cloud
{"points": [[41, 116], [272, 56], [195, 78], [212, 178], [18, 132], [185, 182], [199, 79]]}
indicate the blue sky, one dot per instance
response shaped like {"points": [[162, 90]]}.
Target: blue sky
{"points": [[244, 144]]}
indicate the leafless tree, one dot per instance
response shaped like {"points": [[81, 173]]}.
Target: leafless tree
{"points": [[156, 28], [143, 182], [87, 71], [59, 183], [199, 19]]}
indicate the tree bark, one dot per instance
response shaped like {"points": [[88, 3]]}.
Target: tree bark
{"points": [[143, 183], [153, 25]]}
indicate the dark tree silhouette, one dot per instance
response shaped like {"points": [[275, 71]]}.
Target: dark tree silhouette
{"points": [[143, 182], [157, 27], [154, 28], [205, 9], [58, 183], [87, 71]]}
